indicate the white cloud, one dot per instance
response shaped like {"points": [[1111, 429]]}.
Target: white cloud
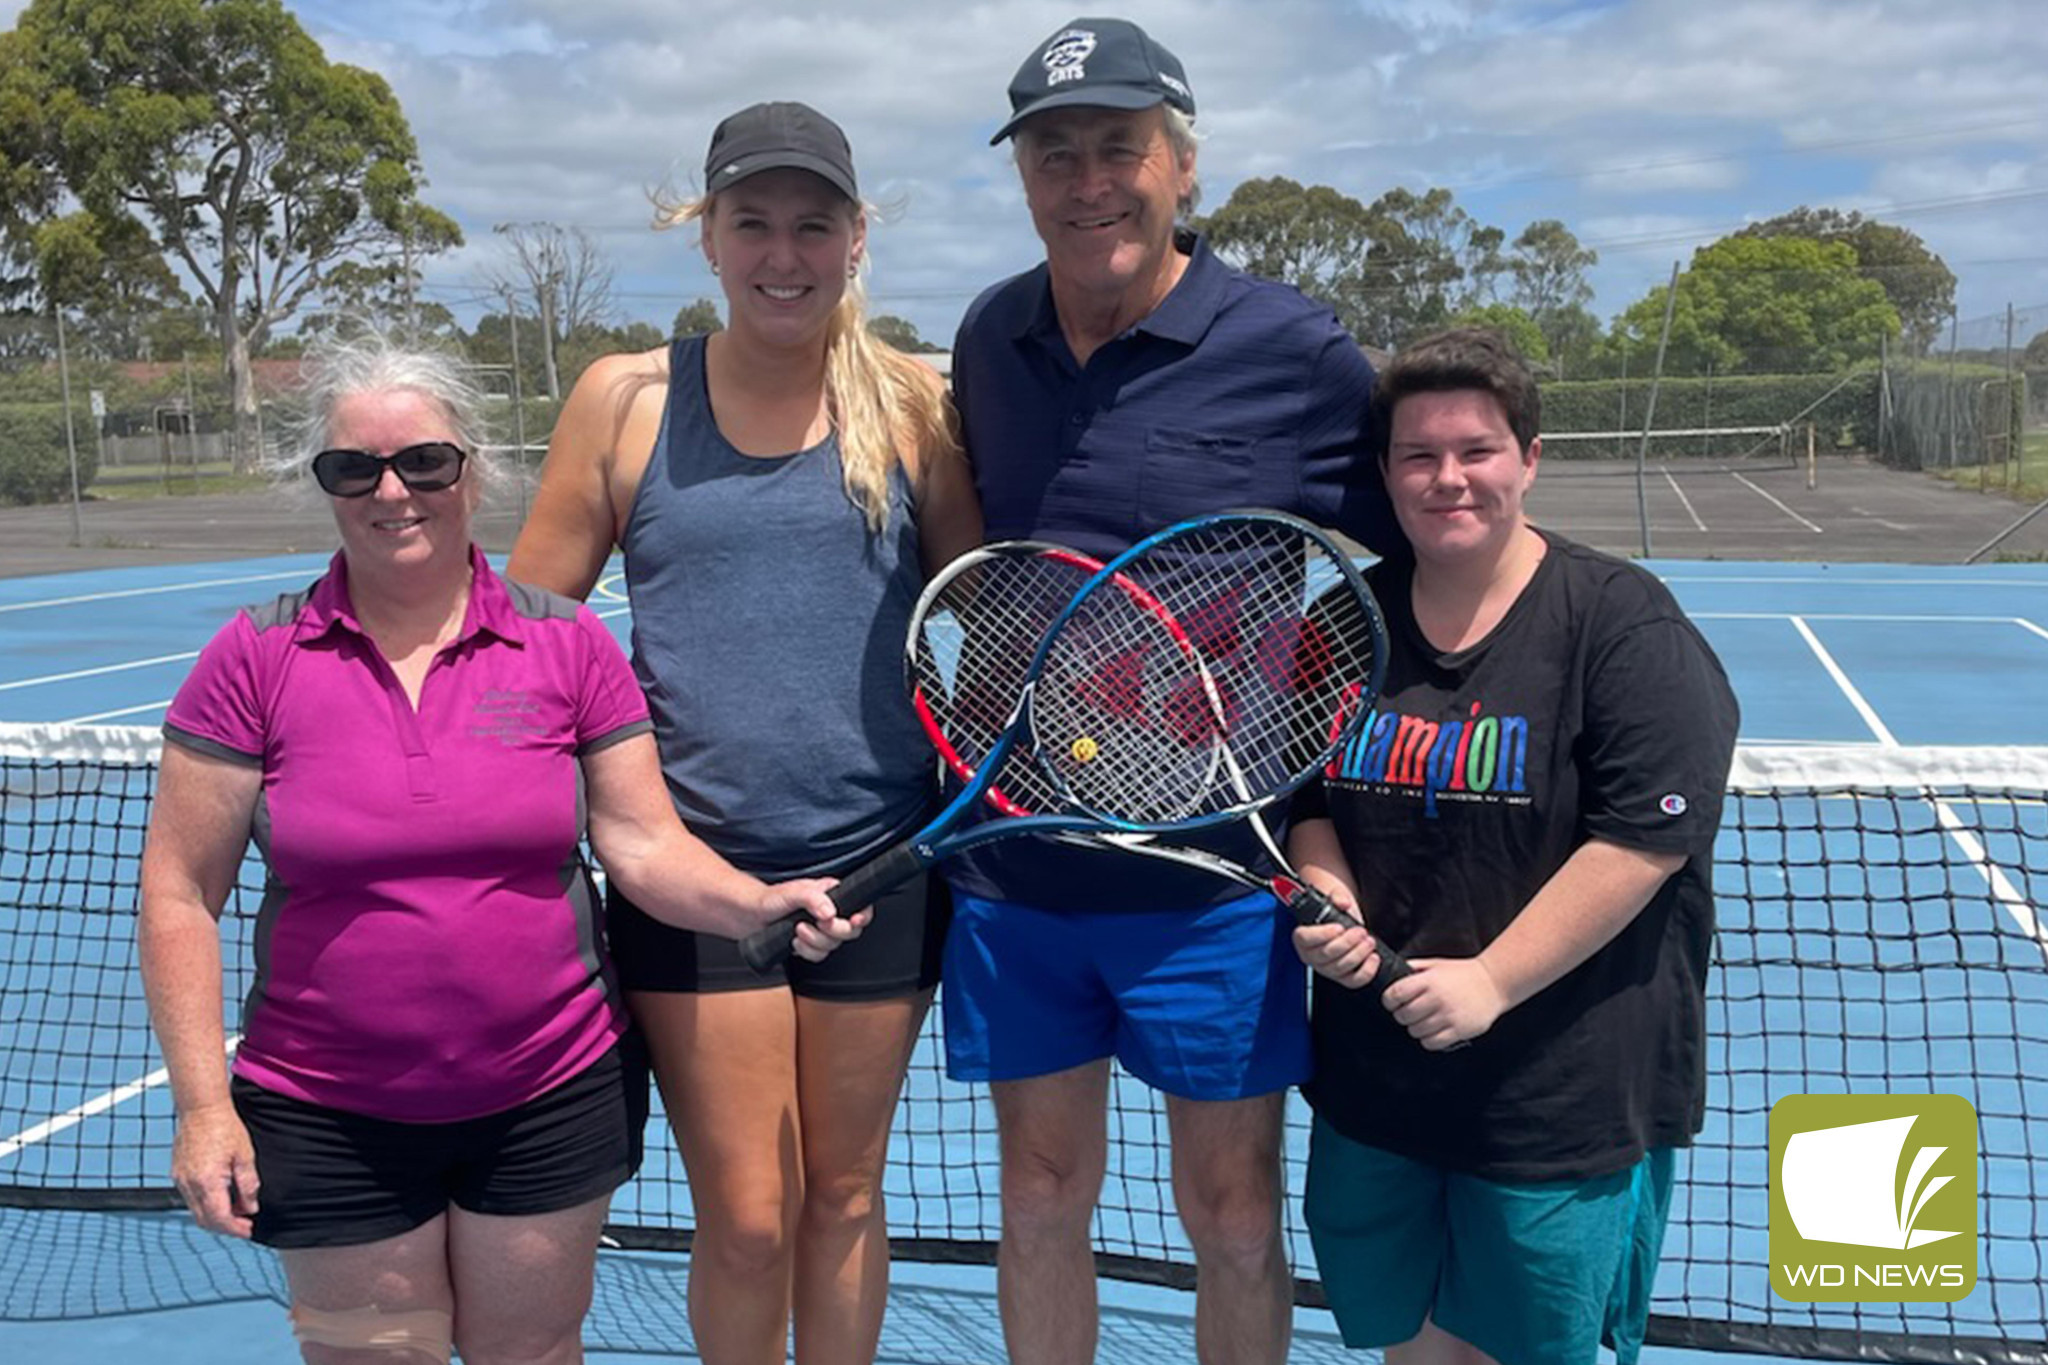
{"points": [[1647, 126]]}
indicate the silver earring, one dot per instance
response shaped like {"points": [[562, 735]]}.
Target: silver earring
{"points": [[714, 267], [852, 270]]}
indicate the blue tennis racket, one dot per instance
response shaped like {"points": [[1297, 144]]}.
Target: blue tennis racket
{"points": [[1210, 669]]}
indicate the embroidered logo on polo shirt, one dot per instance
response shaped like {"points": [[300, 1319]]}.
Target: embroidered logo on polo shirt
{"points": [[506, 714]]}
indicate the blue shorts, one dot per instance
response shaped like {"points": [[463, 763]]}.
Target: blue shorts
{"points": [[1206, 1004], [1531, 1274]]}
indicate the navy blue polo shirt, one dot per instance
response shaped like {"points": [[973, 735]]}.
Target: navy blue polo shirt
{"points": [[1234, 392]]}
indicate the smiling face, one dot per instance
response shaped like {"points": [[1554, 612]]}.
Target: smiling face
{"points": [[783, 243], [393, 528], [1457, 476], [1104, 186]]}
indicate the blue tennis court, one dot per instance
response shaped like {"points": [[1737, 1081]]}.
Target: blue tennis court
{"points": [[1885, 939]]}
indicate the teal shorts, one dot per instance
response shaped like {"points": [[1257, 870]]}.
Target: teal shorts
{"points": [[1531, 1274]]}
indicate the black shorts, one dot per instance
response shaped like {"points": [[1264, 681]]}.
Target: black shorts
{"points": [[898, 954], [331, 1178]]}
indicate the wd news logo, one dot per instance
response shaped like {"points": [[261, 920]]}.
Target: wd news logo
{"points": [[1873, 1198]]}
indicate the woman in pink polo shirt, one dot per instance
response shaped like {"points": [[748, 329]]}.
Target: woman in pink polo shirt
{"points": [[434, 1091]]}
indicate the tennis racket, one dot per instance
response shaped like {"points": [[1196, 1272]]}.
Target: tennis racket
{"points": [[1068, 695], [1276, 614], [1036, 647]]}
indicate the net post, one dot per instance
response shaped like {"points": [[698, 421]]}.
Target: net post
{"points": [[1812, 459]]}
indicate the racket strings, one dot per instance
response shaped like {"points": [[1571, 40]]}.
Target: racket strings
{"points": [[1119, 720], [974, 642], [1120, 716], [1217, 668], [1288, 638]]}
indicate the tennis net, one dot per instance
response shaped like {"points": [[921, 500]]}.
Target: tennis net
{"points": [[1692, 450], [1880, 932]]}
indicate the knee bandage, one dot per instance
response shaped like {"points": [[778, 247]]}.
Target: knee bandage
{"points": [[427, 1333]]}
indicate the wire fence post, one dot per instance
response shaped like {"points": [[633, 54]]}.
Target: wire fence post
{"points": [[1884, 395], [191, 423], [1650, 411], [70, 435], [518, 407], [1949, 390], [2013, 424]]}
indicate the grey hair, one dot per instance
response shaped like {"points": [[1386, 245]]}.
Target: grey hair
{"points": [[1181, 139], [371, 362]]}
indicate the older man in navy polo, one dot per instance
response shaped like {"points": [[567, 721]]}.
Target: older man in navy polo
{"points": [[1130, 380]]}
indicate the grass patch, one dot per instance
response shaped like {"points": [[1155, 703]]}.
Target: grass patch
{"points": [[2028, 484], [130, 485]]}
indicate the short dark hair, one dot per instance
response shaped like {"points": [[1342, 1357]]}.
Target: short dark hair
{"points": [[1462, 358]]}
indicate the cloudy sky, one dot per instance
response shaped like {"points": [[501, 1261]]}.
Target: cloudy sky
{"points": [[1650, 127]]}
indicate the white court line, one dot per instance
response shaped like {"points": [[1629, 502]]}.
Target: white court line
{"points": [[1773, 501], [1827, 661], [1863, 616], [149, 592], [2025, 624], [98, 1104], [98, 672], [1684, 501], [615, 611], [1831, 581], [2002, 888], [608, 588], [114, 715]]}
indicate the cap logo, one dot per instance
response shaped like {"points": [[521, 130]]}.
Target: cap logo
{"points": [[1066, 56]]}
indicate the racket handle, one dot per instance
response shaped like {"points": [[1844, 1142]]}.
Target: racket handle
{"points": [[769, 947], [1311, 906]]}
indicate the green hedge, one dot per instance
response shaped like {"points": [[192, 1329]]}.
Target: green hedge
{"points": [[34, 464], [1847, 417]]}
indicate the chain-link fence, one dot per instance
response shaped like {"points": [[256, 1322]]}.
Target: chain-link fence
{"points": [[143, 405], [1977, 408]]}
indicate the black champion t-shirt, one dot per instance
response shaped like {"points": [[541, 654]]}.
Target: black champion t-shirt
{"points": [[1595, 708]]}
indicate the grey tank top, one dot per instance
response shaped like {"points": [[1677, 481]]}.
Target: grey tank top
{"points": [[768, 629]]}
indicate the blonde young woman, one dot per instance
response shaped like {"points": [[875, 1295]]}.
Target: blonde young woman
{"points": [[779, 490]]}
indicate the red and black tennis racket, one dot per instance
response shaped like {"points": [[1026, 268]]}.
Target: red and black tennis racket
{"points": [[1065, 668]]}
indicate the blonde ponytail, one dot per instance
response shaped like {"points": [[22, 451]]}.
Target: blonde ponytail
{"points": [[889, 408]]}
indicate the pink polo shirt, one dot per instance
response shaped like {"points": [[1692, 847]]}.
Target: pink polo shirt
{"points": [[428, 948]]}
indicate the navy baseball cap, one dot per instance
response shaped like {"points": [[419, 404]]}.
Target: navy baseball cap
{"points": [[769, 137], [1099, 63]]}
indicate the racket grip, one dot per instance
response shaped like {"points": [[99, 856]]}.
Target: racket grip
{"points": [[1311, 906], [770, 946]]}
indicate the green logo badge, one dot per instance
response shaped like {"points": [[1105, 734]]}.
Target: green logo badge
{"points": [[1873, 1198]]}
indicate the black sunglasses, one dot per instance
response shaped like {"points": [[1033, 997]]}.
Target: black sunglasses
{"points": [[427, 467]]}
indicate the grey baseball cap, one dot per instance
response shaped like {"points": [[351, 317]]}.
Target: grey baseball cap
{"points": [[768, 137]]}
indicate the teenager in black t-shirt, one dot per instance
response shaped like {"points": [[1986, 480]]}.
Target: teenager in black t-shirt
{"points": [[1529, 816]]}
